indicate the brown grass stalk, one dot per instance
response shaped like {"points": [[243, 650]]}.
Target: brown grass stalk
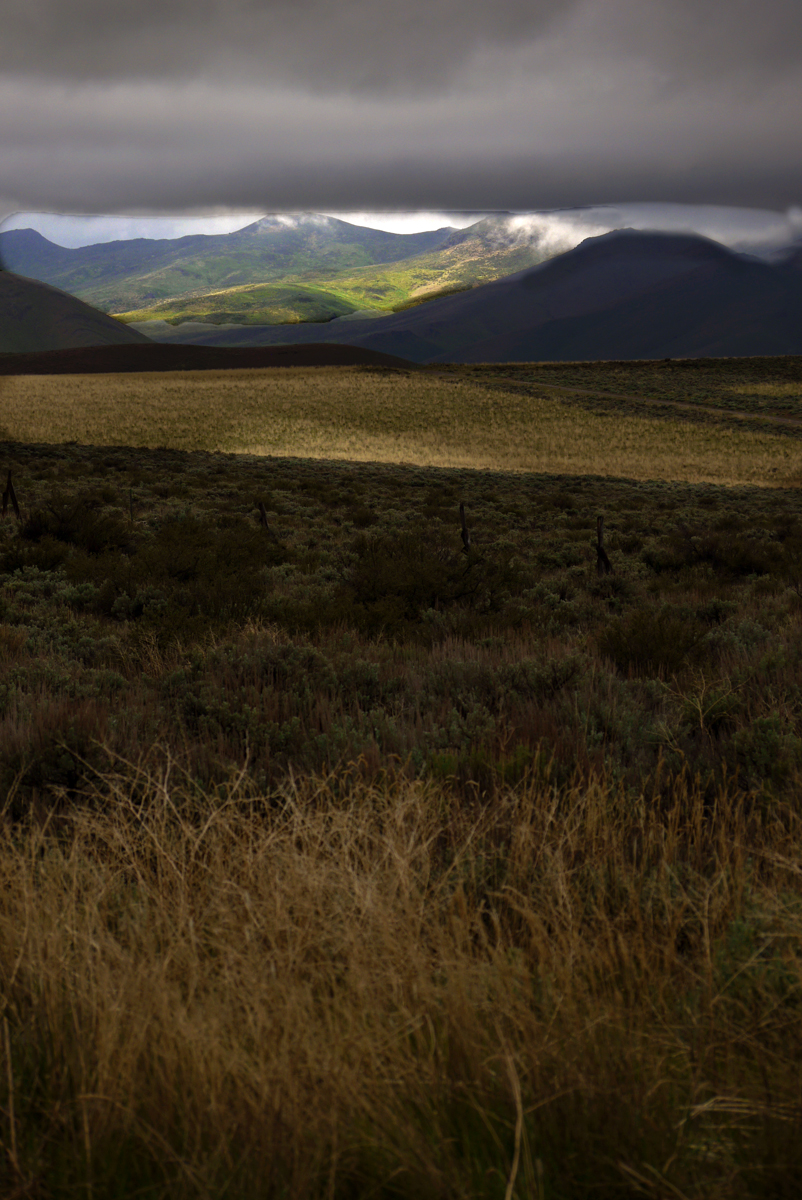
{"points": [[329, 989]]}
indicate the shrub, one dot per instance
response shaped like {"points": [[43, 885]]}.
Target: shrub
{"points": [[75, 520], [767, 751], [195, 568], [651, 641], [729, 552], [396, 579]]}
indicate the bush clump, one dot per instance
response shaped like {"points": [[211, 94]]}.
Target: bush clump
{"points": [[395, 580], [76, 521], [653, 641]]}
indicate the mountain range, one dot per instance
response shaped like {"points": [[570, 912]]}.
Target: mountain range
{"points": [[279, 269], [323, 273], [622, 295]]}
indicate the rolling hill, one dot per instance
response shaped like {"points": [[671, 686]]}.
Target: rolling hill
{"points": [[278, 270], [118, 277], [624, 295], [35, 317], [287, 269]]}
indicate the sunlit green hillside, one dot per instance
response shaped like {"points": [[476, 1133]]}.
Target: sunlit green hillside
{"points": [[250, 304], [119, 276], [280, 269], [321, 293]]}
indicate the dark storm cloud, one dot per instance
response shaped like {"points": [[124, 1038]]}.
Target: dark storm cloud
{"points": [[751, 39], [362, 43], [440, 104], [357, 44]]}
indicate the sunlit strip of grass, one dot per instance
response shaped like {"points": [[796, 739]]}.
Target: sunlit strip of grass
{"points": [[369, 416], [792, 391], [757, 385]]}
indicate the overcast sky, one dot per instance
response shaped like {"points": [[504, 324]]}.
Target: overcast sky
{"points": [[169, 106]]}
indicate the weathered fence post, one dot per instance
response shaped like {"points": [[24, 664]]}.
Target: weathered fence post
{"points": [[9, 494], [466, 536], [603, 564], [263, 521]]}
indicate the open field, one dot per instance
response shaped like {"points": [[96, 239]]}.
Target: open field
{"points": [[766, 387], [448, 418], [340, 862]]}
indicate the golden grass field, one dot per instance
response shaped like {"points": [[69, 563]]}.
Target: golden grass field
{"points": [[427, 419], [323, 877]]}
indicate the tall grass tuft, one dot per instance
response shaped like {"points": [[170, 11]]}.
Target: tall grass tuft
{"points": [[341, 988]]}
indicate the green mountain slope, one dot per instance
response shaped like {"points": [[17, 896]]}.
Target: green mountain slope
{"points": [[279, 270], [121, 276], [465, 260], [251, 304]]}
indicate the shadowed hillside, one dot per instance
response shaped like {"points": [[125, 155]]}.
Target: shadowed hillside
{"points": [[149, 356], [35, 317]]}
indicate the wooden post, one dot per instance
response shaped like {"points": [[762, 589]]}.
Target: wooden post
{"points": [[9, 494], [263, 521], [603, 564], [466, 536]]}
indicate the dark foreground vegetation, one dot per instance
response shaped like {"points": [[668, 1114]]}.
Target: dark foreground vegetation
{"points": [[342, 860], [144, 602]]}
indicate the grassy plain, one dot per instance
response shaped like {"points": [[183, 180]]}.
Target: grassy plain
{"points": [[462, 417], [759, 386], [340, 862]]}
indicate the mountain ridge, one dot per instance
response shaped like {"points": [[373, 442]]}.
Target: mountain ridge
{"points": [[289, 268], [622, 295], [111, 275], [591, 303]]}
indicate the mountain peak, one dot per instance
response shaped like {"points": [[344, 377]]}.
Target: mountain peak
{"points": [[27, 239], [281, 222]]}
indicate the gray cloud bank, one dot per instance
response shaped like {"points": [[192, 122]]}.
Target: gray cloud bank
{"points": [[448, 104], [356, 45]]}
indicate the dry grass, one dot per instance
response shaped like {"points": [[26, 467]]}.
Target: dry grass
{"points": [[763, 386], [792, 391], [365, 416], [352, 990], [504, 903]]}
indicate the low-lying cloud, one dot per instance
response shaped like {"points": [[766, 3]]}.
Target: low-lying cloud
{"points": [[753, 231]]}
